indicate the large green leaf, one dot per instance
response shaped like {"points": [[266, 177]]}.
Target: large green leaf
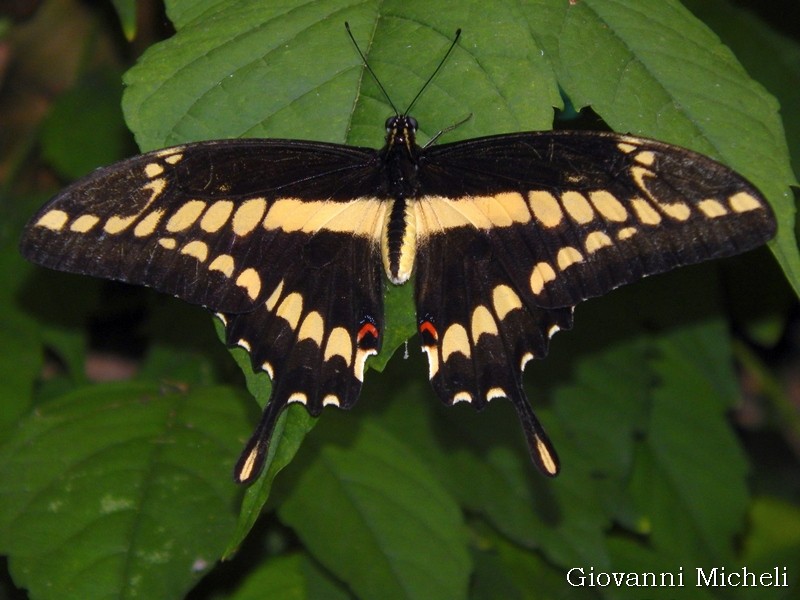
{"points": [[384, 526], [120, 491]]}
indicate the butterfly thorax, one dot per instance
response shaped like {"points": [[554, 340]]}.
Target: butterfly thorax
{"points": [[399, 159]]}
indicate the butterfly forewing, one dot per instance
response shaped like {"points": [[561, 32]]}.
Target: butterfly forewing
{"points": [[213, 223], [572, 215]]}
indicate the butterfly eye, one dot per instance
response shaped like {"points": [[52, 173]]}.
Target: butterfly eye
{"points": [[390, 124], [412, 123]]}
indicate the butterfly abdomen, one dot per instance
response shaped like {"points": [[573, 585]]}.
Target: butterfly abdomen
{"points": [[399, 241]]}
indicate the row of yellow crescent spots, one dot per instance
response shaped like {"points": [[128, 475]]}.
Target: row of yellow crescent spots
{"points": [[311, 326], [455, 339]]}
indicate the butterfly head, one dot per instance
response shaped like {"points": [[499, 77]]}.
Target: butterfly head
{"points": [[401, 130]]}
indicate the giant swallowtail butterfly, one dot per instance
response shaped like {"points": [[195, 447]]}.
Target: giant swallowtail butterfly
{"points": [[288, 242]]}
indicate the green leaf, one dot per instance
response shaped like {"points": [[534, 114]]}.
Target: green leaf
{"points": [[366, 516], [289, 577], [689, 483], [773, 540], [119, 491]]}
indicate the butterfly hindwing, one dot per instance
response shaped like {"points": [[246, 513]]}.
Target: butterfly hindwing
{"points": [[479, 330], [585, 212], [313, 334]]}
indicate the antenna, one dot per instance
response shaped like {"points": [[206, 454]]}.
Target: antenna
{"points": [[380, 85]]}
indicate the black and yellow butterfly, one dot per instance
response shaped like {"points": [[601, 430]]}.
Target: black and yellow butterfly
{"points": [[288, 242]]}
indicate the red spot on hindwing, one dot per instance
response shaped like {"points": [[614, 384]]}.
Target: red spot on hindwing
{"points": [[367, 329], [427, 329]]}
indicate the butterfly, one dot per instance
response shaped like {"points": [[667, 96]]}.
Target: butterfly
{"points": [[291, 244]]}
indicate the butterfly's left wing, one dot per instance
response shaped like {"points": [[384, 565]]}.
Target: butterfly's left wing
{"points": [[515, 230]]}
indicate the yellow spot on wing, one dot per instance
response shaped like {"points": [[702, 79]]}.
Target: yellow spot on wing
{"points": [[197, 249], [251, 282], [171, 155], [548, 462], [223, 263], [185, 216], [567, 257], [577, 206], [248, 215], [677, 210], [645, 212], [331, 400], [626, 232], [153, 170], [482, 323], [712, 208], [297, 397], [361, 362], [626, 148], [312, 328], [433, 360], [455, 340], [542, 273], [437, 214], [148, 225], [597, 240], [462, 396], [54, 219], [742, 202], [116, 223], [216, 216], [290, 309], [545, 208], [168, 243], [362, 217], [274, 297], [504, 300], [339, 344], [502, 210], [645, 157], [608, 206], [495, 392], [84, 223]]}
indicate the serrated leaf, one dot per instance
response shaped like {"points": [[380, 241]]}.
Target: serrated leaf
{"points": [[119, 491], [690, 479], [384, 526]]}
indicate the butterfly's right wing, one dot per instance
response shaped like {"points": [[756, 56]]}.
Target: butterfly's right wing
{"points": [[281, 238]]}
